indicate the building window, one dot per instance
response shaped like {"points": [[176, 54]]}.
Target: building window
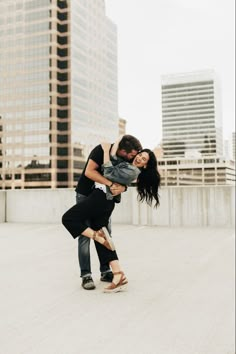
{"points": [[62, 164], [62, 151], [62, 139], [62, 101], [62, 126], [62, 64], [61, 177], [62, 40], [62, 28], [62, 16], [62, 114], [62, 4], [62, 88], [33, 177], [62, 76]]}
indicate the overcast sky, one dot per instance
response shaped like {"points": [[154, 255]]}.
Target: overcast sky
{"points": [[157, 37]]}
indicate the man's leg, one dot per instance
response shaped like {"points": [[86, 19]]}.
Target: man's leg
{"points": [[84, 255]]}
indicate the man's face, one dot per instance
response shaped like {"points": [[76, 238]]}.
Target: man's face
{"points": [[127, 155]]}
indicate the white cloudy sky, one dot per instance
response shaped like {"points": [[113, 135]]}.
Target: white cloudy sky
{"points": [[157, 37]]}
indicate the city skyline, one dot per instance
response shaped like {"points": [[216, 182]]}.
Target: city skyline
{"points": [[158, 38]]}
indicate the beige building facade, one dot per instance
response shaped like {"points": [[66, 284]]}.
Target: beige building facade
{"points": [[201, 171], [58, 95]]}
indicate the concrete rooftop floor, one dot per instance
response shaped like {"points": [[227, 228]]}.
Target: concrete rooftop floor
{"points": [[180, 298]]}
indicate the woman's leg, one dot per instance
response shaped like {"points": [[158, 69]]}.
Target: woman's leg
{"points": [[119, 282], [105, 255], [94, 207]]}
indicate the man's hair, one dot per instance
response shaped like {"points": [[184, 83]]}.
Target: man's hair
{"points": [[129, 143]]}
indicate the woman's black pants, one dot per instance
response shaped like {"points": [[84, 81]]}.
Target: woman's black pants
{"points": [[97, 209]]}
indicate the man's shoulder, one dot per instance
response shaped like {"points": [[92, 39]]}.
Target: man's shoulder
{"points": [[97, 148], [96, 155], [97, 152]]}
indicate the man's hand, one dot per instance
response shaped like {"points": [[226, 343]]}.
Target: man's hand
{"points": [[117, 189]]}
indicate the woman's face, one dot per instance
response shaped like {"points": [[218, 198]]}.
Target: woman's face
{"points": [[141, 159]]}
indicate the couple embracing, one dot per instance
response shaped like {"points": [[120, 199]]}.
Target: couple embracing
{"points": [[109, 170]]}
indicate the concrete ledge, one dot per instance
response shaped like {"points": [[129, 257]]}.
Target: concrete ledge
{"points": [[38, 205], [2, 206], [187, 206], [180, 206]]}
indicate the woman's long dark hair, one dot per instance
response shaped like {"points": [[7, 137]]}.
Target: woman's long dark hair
{"points": [[148, 181]]}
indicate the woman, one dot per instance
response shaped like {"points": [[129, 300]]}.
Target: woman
{"points": [[99, 205]]}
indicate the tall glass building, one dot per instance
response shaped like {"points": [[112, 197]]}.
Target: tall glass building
{"points": [[58, 89], [191, 115]]}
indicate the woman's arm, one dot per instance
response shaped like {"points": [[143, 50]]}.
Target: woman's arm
{"points": [[123, 173], [115, 146], [106, 150]]}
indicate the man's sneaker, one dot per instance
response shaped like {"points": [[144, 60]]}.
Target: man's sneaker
{"points": [[107, 277], [87, 283]]}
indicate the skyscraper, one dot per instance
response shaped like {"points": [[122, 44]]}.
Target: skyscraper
{"points": [[58, 89], [191, 115]]}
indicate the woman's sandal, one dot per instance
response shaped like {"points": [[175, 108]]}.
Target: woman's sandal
{"points": [[97, 236], [117, 285]]}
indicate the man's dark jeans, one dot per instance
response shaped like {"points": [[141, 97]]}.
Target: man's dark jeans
{"points": [[84, 248]]}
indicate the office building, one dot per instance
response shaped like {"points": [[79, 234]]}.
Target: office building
{"points": [[200, 171], [191, 115], [58, 93]]}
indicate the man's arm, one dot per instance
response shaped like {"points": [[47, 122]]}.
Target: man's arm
{"points": [[115, 187], [92, 173]]}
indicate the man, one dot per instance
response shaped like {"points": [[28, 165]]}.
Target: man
{"points": [[128, 147]]}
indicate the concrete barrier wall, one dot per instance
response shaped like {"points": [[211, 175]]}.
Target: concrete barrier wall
{"points": [[38, 205], [2, 206], [180, 206], [190, 206]]}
